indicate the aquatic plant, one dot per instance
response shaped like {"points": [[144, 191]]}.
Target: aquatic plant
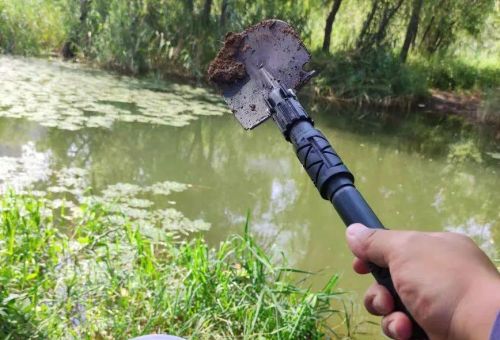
{"points": [[80, 97], [103, 280], [464, 151], [65, 188]]}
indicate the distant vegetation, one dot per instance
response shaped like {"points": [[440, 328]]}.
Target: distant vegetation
{"points": [[374, 50], [92, 279]]}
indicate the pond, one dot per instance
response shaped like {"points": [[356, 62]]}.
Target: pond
{"points": [[172, 153]]}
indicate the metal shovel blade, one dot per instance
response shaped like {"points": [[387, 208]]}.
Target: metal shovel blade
{"points": [[272, 44]]}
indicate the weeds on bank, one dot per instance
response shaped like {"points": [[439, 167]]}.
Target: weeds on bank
{"points": [[378, 76], [99, 280]]}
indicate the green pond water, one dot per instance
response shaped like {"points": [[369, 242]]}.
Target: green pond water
{"points": [[172, 154]]}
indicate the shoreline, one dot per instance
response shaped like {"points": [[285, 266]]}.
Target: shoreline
{"points": [[470, 106]]}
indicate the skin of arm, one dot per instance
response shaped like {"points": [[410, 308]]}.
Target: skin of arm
{"points": [[446, 282]]}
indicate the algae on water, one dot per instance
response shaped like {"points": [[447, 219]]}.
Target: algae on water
{"points": [[72, 97], [67, 189]]}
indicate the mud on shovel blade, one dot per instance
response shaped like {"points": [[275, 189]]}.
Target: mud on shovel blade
{"points": [[258, 71], [272, 45]]}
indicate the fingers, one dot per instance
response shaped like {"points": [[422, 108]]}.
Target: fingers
{"points": [[378, 300], [397, 326], [360, 266], [375, 246], [371, 245]]}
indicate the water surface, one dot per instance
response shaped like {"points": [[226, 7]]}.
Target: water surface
{"points": [[171, 153]]}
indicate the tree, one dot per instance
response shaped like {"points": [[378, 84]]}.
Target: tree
{"points": [[444, 20], [223, 13], [388, 14], [377, 22], [411, 31], [207, 8], [329, 24], [367, 23], [189, 6]]}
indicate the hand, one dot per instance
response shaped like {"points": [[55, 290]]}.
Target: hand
{"points": [[445, 281]]}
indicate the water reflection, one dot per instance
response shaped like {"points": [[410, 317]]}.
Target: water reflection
{"points": [[480, 232], [20, 170], [270, 223]]}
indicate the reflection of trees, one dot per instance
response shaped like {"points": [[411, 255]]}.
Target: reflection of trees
{"points": [[470, 203], [430, 134], [410, 189]]}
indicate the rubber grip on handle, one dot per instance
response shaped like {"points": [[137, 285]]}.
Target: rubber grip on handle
{"points": [[336, 184]]}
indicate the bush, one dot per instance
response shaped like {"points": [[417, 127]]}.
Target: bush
{"points": [[447, 73], [31, 27], [371, 75]]}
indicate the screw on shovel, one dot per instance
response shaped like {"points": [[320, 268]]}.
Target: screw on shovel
{"points": [[257, 71]]}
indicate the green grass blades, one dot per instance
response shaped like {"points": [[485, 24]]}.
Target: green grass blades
{"points": [[101, 281]]}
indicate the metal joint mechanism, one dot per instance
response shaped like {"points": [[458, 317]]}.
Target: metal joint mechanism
{"points": [[282, 104]]}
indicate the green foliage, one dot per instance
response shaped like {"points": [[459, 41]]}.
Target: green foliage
{"points": [[464, 151], [377, 75], [168, 36], [443, 21], [31, 27], [453, 74], [100, 280], [373, 75]]}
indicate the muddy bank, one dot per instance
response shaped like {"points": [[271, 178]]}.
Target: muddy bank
{"points": [[473, 107], [448, 102]]}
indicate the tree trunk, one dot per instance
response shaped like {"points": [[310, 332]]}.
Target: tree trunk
{"points": [[207, 8], [427, 30], [329, 24], [223, 13], [367, 23], [189, 6], [389, 12], [411, 31]]}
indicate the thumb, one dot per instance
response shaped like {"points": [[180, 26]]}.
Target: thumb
{"points": [[372, 245]]}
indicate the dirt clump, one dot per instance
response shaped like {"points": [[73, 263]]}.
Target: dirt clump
{"points": [[290, 31], [225, 68]]}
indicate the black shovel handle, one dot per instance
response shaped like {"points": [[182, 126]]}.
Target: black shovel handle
{"points": [[336, 184]]}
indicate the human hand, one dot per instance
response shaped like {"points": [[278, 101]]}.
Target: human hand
{"points": [[445, 281]]}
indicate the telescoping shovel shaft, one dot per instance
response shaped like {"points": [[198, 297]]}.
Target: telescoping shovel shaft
{"points": [[257, 71], [329, 174]]}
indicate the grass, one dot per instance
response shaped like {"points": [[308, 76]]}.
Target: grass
{"points": [[31, 27], [373, 77], [96, 280], [378, 77]]}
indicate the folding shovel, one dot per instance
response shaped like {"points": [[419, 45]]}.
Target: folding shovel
{"points": [[258, 71]]}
